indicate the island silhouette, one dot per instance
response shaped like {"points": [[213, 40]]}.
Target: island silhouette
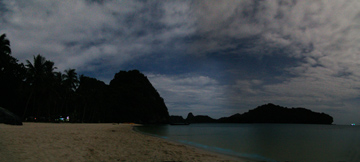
{"points": [[35, 92], [267, 113]]}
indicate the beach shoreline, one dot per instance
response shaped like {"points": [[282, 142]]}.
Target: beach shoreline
{"points": [[200, 149], [94, 142]]}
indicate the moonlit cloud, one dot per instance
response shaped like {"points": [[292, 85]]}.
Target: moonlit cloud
{"points": [[322, 35], [77, 33], [210, 57], [197, 94]]}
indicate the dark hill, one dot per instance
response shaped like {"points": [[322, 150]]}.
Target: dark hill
{"points": [[271, 113], [134, 99], [174, 119], [199, 119], [236, 118]]}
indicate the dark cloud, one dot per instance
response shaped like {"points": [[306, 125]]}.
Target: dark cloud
{"points": [[233, 55]]}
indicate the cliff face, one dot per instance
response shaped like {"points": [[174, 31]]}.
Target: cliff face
{"points": [[136, 100], [271, 113]]}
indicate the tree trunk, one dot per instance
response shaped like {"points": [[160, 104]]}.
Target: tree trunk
{"points": [[82, 120], [27, 104]]}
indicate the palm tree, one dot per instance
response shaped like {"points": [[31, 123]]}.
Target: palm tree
{"points": [[70, 84], [6, 75], [40, 71], [40, 76], [4, 45], [71, 80], [59, 93], [12, 75], [5, 51]]}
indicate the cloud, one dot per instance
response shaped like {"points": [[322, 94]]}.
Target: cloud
{"points": [[201, 95], [298, 25], [75, 34], [121, 31], [321, 36]]}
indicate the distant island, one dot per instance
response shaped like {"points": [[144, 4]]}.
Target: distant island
{"points": [[35, 92], [268, 113]]}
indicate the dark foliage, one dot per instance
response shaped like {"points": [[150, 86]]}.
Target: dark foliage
{"points": [[92, 101], [12, 75], [37, 93]]}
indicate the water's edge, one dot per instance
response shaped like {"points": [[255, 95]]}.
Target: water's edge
{"points": [[211, 149], [267, 142]]}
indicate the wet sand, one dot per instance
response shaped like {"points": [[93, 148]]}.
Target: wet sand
{"points": [[93, 142]]}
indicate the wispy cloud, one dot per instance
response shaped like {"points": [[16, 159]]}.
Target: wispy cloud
{"points": [[184, 94], [79, 34], [102, 37]]}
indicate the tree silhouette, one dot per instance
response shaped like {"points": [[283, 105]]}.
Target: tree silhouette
{"points": [[40, 76], [37, 92], [40, 71], [58, 96], [5, 51], [11, 76], [92, 94], [5, 45], [71, 80], [70, 83]]}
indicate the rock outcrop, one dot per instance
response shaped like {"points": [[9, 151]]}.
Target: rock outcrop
{"points": [[174, 119], [136, 100], [199, 119], [8, 117]]}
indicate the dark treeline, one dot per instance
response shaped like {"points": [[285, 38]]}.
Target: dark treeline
{"points": [[36, 92]]}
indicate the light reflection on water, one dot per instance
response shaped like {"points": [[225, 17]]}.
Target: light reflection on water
{"points": [[281, 142]]}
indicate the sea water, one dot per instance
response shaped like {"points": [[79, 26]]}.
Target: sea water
{"points": [[269, 142]]}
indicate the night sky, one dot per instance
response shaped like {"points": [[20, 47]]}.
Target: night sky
{"points": [[207, 57]]}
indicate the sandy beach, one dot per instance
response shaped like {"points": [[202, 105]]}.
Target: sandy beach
{"points": [[93, 142]]}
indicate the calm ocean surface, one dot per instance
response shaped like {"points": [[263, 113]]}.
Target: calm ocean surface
{"points": [[269, 142]]}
